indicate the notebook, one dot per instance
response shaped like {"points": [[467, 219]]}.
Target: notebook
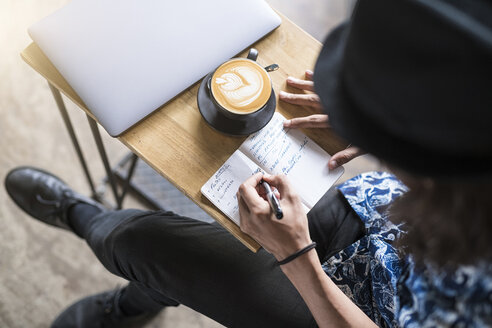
{"points": [[274, 150], [126, 58]]}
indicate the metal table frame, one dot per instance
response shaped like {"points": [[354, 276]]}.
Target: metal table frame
{"points": [[118, 195]]}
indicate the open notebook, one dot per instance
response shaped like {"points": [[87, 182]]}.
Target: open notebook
{"points": [[274, 150]]}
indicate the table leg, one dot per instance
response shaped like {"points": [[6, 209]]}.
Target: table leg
{"points": [[104, 157], [75, 142], [102, 152], [126, 185]]}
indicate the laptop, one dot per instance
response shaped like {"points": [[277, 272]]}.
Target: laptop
{"points": [[126, 58]]}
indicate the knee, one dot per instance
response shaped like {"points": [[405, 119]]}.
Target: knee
{"points": [[138, 233], [144, 237]]}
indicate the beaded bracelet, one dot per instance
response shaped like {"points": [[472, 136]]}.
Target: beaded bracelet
{"points": [[297, 254]]}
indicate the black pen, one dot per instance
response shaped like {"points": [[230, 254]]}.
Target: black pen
{"points": [[272, 199]]}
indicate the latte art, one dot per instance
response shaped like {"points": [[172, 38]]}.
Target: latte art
{"points": [[241, 86]]}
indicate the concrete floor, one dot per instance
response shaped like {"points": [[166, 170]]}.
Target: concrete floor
{"points": [[43, 269]]}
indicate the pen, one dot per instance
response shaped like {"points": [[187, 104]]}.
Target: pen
{"points": [[272, 199]]}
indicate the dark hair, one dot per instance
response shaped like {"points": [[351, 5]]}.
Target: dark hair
{"points": [[448, 223]]}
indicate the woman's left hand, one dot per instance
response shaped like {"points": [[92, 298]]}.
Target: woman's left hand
{"points": [[279, 237], [310, 99]]}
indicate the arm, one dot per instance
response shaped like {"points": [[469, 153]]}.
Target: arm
{"points": [[328, 304], [310, 99]]}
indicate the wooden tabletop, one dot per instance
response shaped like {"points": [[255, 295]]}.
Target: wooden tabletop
{"points": [[178, 143]]}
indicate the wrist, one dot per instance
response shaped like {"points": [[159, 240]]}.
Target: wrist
{"points": [[305, 272], [297, 253], [285, 250], [294, 245], [307, 263]]}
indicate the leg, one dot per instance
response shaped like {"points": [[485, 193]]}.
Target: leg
{"points": [[169, 257], [175, 258], [199, 265], [48, 199], [205, 268]]}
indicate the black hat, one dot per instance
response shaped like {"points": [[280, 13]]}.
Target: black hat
{"points": [[410, 81]]}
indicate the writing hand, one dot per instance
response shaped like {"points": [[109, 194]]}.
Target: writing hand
{"points": [[328, 304], [316, 120], [279, 237]]}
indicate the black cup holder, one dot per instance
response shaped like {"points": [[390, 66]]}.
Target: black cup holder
{"points": [[234, 127]]}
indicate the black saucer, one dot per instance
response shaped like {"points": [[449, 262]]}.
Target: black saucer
{"points": [[223, 124]]}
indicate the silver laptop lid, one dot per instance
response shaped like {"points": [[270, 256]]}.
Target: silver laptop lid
{"points": [[126, 58]]}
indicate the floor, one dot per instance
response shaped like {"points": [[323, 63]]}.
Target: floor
{"points": [[43, 269]]}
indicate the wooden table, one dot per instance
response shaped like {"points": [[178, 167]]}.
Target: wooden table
{"points": [[178, 143]]}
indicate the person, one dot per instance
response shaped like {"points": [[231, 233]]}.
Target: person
{"points": [[417, 96]]}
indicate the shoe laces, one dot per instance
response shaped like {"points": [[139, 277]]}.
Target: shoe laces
{"points": [[108, 303], [57, 204], [48, 202]]}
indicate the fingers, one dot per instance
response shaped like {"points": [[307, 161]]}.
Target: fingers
{"points": [[244, 215], [300, 84], [306, 84], [344, 156], [309, 75], [311, 121], [302, 99], [248, 193], [243, 209], [282, 184], [277, 194], [309, 99], [263, 193], [254, 180]]}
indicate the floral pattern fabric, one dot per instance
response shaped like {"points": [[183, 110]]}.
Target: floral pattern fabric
{"points": [[387, 286]]}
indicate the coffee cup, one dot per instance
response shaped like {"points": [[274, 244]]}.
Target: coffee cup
{"points": [[241, 87]]}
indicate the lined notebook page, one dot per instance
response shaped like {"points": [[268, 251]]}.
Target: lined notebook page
{"points": [[274, 150], [222, 187], [291, 152]]}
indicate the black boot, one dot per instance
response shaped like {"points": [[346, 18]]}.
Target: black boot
{"points": [[101, 310], [44, 196]]}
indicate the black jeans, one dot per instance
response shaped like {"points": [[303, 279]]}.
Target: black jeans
{"points": [[170, 259]]}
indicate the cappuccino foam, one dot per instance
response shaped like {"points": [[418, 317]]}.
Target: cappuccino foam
{"points": [[241, 86]]}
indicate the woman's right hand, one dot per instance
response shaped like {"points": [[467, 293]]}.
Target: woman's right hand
{"points": [[312, 100]]}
